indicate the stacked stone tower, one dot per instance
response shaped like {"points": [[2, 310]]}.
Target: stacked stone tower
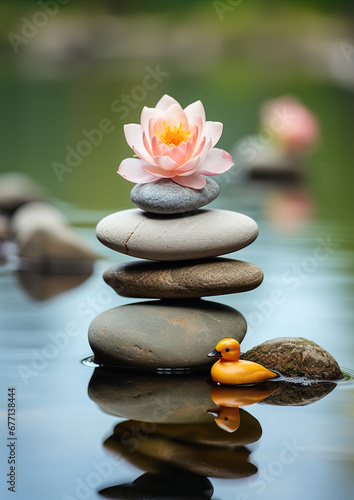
{"points": [[179, 246]]}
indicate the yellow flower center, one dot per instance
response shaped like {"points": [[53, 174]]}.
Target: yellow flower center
{"points": [[173, 137]]}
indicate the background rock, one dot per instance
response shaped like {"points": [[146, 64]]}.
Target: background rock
{"points": [[16, 189], [44, 239]]}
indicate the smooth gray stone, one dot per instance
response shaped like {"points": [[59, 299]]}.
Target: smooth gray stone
{"points": [[203, 233], [183, 279], [163, 334], [295, 357], [167, 197]]}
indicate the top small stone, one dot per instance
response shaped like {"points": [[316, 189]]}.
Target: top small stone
{"points": [[165, 196]]}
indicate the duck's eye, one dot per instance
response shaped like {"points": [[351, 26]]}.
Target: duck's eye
{"points": [[227, 350], [226, 419]]}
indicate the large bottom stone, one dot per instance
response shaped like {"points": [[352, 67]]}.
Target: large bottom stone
{"points": [[163, 334]]}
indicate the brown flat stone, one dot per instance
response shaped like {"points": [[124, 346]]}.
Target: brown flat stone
{"points": [[183, 279]]}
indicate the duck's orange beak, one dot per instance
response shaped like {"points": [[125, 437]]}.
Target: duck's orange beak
{"points": [[215, 354]]}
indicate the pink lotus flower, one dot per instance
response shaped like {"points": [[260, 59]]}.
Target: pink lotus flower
{"points": [[294, 125], [175, 144]]}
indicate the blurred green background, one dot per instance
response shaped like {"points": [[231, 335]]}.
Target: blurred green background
{"points": [[67, 65]]}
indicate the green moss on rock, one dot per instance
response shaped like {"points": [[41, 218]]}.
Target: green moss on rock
{"points": [[295, 357]]}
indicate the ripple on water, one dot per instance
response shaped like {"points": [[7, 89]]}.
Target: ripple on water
{"points": [[90, 362], [348, 378]]}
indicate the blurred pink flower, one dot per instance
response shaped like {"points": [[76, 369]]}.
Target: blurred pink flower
{"points": [[174, 143], [291, 122]]}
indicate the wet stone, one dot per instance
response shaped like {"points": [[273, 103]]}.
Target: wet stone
{"points": [[295, 357], [167, 197], [163, 334]]}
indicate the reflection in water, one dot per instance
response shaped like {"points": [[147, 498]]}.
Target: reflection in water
{"points": [[240, 396], [288, 209], [170, 433], [173, 399], [149, 449], [295, 394], [44, 286], [230, 398], [175, 484]]}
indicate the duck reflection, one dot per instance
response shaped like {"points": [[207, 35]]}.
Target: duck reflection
{"points": [[229, 399]]}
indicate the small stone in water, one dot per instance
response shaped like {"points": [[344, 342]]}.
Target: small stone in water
{"points": [[295, 357]]}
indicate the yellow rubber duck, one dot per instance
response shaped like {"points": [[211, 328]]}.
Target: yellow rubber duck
{"points": [[231, 370]]}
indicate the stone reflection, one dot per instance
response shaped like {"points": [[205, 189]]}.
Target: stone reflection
{"points": [[295, 394], [45, 286], [148, 447], [174, 399], [173, 484], [171, 434], [183, 429]]}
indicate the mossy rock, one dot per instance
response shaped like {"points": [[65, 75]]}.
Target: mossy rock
{"points": [[295, 357]]}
